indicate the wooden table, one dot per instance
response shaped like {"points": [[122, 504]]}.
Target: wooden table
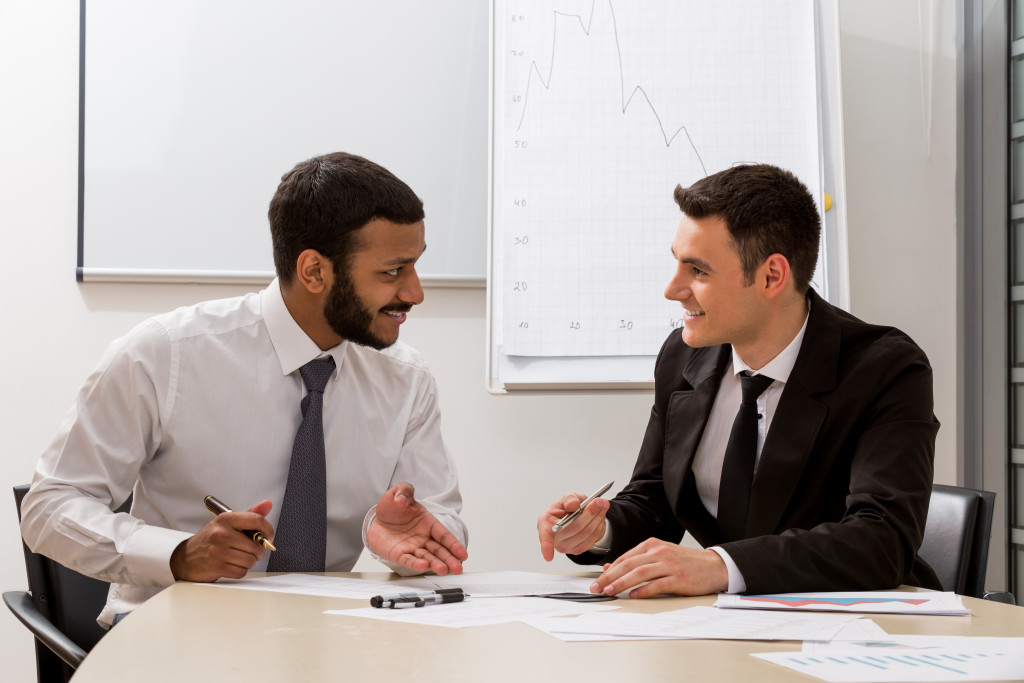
{"points": [[193, 632]]}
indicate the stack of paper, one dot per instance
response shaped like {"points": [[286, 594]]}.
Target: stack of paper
{"points": [[908, 658], [881, 602]]}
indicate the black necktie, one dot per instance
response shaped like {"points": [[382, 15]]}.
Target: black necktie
{"points": [[302, 527], [740, 455]]}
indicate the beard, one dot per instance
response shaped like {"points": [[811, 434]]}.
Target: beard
{"points": [[350, 318]]}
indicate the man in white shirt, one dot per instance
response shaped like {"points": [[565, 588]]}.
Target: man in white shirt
{"points": [[205, 400], [838, 432]]}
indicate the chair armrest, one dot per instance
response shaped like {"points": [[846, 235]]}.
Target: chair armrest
{"points": [[20, 603], [1000, 596]]}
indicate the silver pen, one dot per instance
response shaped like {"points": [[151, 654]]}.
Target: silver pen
{"points": [[564, 521]]}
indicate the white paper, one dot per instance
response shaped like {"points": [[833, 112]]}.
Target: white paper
{"points": [[705, 623], [895, 641], [854, 631], [476, 611], [509, 583], [482, 584], [909, 658], [314, 584], [877, 602]]}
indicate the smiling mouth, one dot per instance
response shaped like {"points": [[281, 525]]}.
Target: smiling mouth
{"points": [[396, 314], [693, 314]]}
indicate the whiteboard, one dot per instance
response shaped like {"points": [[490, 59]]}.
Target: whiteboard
{"points": [[599, 108], [192, 110]]}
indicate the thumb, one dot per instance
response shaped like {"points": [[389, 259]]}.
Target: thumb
{"points": [[404, 494], [262, 508]]}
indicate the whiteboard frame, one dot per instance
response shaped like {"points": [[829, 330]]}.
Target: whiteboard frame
{"points": [[463, 277], [834, 224]]}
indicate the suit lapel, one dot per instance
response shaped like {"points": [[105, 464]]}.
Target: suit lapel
{"points": [[797, 421], [686, 413]]}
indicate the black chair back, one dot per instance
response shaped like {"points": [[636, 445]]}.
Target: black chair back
{"points": [[956, 537], [69, 600]]}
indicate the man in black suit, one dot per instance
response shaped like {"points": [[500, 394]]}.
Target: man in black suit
{"points": [[844, 439]]}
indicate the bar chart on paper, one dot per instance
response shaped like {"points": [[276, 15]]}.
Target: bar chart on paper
{"points": [[600, 109]]}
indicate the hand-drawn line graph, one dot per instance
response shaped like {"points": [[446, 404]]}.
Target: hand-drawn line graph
{"points": [[599, 110], [534, 69], [839, 602]]}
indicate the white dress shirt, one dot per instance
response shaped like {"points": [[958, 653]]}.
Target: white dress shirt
{"points": [[205, 400], [710, 455]]}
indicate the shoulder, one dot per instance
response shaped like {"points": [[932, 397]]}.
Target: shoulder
{"points": [[842, 352], [863, 342], [399, 359], [157, 338], [214, 317]]}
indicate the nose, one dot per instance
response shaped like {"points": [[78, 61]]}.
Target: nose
{"points": [[412, 290], [678, 288]]}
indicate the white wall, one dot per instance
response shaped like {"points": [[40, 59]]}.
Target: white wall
{"points": [[515, 453], [899, 108]]}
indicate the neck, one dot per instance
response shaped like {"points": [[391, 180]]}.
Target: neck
{"points": [[777, 330], [307, 310]]}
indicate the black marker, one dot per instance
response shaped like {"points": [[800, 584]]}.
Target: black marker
{"points": [[403, 600]]}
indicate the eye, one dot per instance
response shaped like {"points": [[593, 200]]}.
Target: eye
{"points": [[393, 272], [697, 272]]}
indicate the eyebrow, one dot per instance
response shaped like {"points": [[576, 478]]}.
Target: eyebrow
{"points": [[404, 260], [699, 263]]}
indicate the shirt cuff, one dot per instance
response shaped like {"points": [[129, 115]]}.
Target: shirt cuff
{"points": [[737, 584], [603, 544], [147, 555]]}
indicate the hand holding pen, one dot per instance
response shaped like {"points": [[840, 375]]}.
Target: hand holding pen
{"points": [[217, 508], [224, 547], [572, 525]]}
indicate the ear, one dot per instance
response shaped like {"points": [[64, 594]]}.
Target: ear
{"points": [[313, 271], [774, 275]]}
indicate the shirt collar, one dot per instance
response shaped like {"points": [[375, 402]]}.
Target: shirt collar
{"points": [[780, 367], [293, 346]]}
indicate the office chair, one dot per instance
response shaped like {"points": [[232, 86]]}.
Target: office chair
{"points": [[59, 608], [956, 540]]}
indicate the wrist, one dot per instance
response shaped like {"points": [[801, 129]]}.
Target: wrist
{"points": [[177, 561]]}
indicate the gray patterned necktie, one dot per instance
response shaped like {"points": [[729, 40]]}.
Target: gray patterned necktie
{"points": [[302, 527], [740, 456]]}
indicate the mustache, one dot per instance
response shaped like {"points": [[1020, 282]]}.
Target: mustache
{"points": [[397, 308]]}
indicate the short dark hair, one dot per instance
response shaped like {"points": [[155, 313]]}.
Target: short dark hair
{"points": [[767, 211], [323, 201]]}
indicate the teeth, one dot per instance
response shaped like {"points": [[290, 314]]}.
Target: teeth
{"points": [[693, 313]]}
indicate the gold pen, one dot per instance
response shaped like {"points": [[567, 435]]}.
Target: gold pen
{"points": [[217, 507]]}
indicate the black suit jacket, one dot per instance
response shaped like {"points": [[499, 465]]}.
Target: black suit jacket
{"points": [[841, 492]]}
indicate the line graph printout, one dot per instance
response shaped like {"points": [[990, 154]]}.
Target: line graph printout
{"points": [[601, 108], [885, 602]]}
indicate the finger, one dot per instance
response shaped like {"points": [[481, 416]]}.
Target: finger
{"points": [[248, 521], [412, 562], [651, 588], [230, 539], [614, 571], [585, 530], [403, 493], [447, 540], [547, 546], [570, 502], [262, 508], [544, 533], [442, 561]]}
